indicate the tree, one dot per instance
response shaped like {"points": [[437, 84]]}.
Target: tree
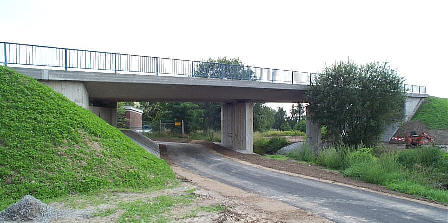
{"points": [[355, 102], [263, 117], [225, 69], [280, 120], [212, 115]]}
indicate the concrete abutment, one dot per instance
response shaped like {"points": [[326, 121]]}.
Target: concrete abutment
{"points": [[76, 92]]}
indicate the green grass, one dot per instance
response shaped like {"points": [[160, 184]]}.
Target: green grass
{"points": [[421, 172], [272, 133], [152, 210], [50, 147], [433, 113]]}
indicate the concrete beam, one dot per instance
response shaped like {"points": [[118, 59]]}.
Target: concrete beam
{"points": [[129, 87]]}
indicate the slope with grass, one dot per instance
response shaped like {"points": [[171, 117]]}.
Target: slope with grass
{"points": [[433, 113], [50, 147]]}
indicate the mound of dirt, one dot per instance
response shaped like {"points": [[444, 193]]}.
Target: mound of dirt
{"points": [[440, 136]]}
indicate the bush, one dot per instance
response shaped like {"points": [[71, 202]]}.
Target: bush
{"points": [[426, 156], [377, 171], [363, 155], [283, 133], [334, 157], [300, 126], [305, 154], [269, 146]]}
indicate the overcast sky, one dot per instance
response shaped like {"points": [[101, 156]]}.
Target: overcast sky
{"points": [[301, 35]]}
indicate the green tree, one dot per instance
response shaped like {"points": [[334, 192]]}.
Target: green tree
{"points": [[355, 102], [263, 117], [224, 68], [212, 115], [280, 120]]}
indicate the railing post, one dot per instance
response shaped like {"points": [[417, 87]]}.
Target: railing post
{"points": [[311, 81], [292, 77], [6, 57], [115, 63], [65, 59], [272, 75], [157, 66]]}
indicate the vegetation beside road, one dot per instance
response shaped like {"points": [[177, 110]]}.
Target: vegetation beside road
{"points": [[50, 147], [433, 113], [421, 171]]}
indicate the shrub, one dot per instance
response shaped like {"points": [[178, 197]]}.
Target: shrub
{"points": [[305, 154], [426, 156], [283, 133], [269, 146], [362, 155], [377, 171], [334, 157]]}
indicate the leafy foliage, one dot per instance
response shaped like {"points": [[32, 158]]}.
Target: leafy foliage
{"points": [[51, 147], [433, 113], [269, 146], [224, 68], [263, 117], [355, 102]]}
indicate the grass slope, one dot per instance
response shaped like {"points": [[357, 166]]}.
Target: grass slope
{"points": [[433, 113], [50, 147]]}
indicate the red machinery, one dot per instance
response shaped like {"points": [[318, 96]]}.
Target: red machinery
{"points": [[413, 139]]}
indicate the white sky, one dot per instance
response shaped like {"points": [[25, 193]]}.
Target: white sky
{"points": [[301, 35]]}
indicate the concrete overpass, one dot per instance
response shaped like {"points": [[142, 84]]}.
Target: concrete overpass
{"points": [[98, 80]]}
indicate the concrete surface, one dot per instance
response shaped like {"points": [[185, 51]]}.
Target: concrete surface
{"points": [[237, 126], [313, 132], [74, 90], [143, 141], [130, 87], [334, 202], [411, 105]]}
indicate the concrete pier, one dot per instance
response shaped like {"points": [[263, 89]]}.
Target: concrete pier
{"points": [[237, 126], [313, 132]]}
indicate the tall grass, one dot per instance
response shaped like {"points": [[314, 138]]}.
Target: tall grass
{"points": [[422, 171]]}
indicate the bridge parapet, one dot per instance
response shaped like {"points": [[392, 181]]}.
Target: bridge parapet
{"points": [[48, 57]]}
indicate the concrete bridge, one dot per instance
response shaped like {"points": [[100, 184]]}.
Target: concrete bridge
{"points": [[98, 80]]}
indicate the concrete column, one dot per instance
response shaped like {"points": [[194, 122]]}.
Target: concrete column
{"points": [[108, 114], [313, 133], [237, 126], [227, 124]]}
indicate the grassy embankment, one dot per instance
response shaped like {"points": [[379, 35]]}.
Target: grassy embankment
{"points": [[433, 113], [421, 172], [50, 147]]}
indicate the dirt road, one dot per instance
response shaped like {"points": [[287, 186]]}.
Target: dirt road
{"points": [[334, 202]]}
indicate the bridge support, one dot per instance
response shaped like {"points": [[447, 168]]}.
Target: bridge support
{"points": [[237, 126], [76, 91], [313, 133]]}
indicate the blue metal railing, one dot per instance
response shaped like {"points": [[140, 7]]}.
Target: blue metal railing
{"points": [[17, 54]]}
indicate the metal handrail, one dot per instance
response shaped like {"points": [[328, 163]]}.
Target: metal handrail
{"points": [[19, 54]]}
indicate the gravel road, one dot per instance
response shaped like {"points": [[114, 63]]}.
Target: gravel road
{"points": [[334, 202]]}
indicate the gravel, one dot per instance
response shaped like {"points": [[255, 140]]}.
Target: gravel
{"points": [[30, 209], [293, 147]]}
